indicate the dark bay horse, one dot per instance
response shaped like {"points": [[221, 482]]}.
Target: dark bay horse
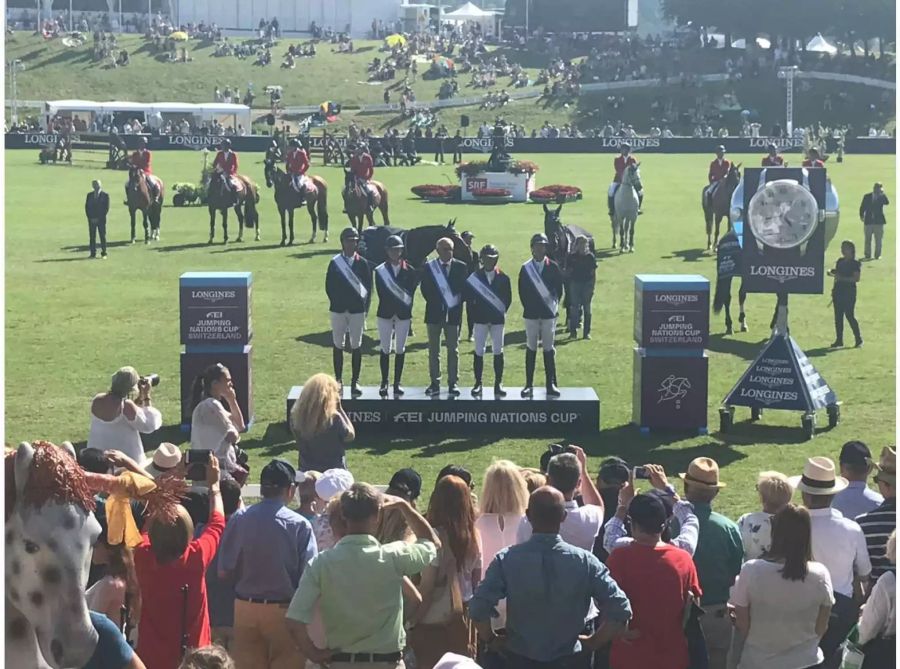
{"points": [[287, 199], [419, 243], [140, 200], [561, 244], [220, 197], [718, 206], [728, 268], [356, 202]]}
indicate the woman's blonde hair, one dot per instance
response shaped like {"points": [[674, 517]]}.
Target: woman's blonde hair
{"points": [[534, 478], [317, 404], [774, 489], [504, 489]]}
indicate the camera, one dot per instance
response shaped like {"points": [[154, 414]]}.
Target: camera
{"points": [[151, 380], [195, 463], [641, 473]]}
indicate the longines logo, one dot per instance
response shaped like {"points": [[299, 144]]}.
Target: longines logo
{"points": [[213, 296], [194, 140], [482, 144], [636, 142], [676, 299], [768, 397], [41, 138], [782, 273], [780, 142]]}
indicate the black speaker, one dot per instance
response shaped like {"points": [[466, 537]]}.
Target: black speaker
{"points": [[464, 121]]}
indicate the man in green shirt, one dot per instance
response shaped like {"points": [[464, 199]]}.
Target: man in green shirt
{"points": [[718, 557], [357, 585]]}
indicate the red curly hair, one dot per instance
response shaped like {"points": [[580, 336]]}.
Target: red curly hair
{"points": [[451, 510]]}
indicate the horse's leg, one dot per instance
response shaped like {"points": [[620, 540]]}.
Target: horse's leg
{"points": [[716, 236], [281, 213], [240, 218], [370, 217], [728, 323], [742, 297], [212, 225], [313, 217], [631, 234], [614, 225], [131, 213], [225, 224]]}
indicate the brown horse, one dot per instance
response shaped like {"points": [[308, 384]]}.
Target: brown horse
{"points": [[220, 197], [718, 206], [139, 199], [357, 205], [287, 199]]}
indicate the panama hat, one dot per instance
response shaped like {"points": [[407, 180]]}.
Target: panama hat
{"points": [[703, 472], [819, 478], [165, 457], [886, 466]]}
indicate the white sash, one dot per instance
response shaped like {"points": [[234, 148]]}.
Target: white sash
{"points": [[538, 282], [349, 275], [487, 294], [390, 282], [451, 301]]}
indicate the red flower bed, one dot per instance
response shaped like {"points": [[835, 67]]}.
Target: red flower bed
{"points": [[491, 192], [436, 191], [555, 193]]}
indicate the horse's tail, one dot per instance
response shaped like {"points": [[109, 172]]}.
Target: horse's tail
{"points": [[723, 293], [250, 204], [322, 203]]}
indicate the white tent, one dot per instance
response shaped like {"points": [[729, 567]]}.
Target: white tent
{"points": [[469, 12], [818, 44], [761, 42]]}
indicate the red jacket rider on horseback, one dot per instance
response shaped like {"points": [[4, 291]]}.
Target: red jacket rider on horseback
{"points": [[773, 159], [621, 162], [142, 159], [718, 170], [226, 162], [297, 163], [812, 159], [362, 168]]}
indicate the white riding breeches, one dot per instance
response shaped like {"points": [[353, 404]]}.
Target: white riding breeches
{"points": [[540, 328], [344, 324], [612, 189], [481, 331], [396, 329]]}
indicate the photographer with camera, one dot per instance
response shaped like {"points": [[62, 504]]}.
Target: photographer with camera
{"points": [[213, 426], [117, 420]]}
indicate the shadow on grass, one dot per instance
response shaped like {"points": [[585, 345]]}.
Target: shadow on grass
{"points": [[320, 251], [254, 246], [688, 255], [748, 350], [749, 432], [181, 247], [84, 248], [431, 449]]}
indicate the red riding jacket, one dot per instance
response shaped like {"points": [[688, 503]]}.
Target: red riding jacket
{"points": [[773, 161], [297, 161], [141, 160], [228, 162], [620, 163], [811, 163], [718, 170], [362, 166]]}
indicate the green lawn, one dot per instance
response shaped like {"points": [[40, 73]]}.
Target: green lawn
{"points": [[71, 322]]}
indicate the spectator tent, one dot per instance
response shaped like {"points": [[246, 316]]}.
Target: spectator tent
{"points": [[155, 113], [469, 12]]}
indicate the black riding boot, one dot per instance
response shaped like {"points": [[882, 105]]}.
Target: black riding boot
{"points": [[337, 360], [385, 367], [478, 364], [356, 364], [550, 373], [399, 359], [530, 358], [498, 376]]}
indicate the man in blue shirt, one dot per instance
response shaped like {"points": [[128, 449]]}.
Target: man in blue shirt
{"points": [[265, 548], [548, 585]]}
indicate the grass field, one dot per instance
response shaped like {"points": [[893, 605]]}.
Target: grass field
{"points": [[71, 322]]}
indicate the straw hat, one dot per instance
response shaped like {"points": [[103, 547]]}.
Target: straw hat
{"points": [[887, 466], [819, 478], [165, 457], [703, 472]]}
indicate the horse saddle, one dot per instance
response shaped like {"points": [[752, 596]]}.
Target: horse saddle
{"points": [[304, 183], [154, 180], [240, 184]]}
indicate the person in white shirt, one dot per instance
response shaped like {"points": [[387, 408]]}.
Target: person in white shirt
{"points": [[775, 493], [117, 421], [839, 544], [782, 603], [857, 498], [213, 427], [878, 623]]}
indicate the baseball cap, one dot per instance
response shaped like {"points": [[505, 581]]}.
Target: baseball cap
{"points": [[647, 512], [277, 474], [333, 482], [407, 480], [855, 453], [614, 470]]}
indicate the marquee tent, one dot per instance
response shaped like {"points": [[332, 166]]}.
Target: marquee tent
{"points": [[819, 44], [469, 12]]}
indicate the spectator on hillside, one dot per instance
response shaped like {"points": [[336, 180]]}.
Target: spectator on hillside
{"points": [[405, 484], [321, 426], [878, 524], [775, 493], [660, 580], [453, 578], [718, 556], [117, 421], [782, 602], [840, 545], [213, 427], [358, 584], [857, 498], [878, 623], [549, 587], [265, 550]]}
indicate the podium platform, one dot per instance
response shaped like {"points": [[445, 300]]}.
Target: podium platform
{"points": [[576, 411]]}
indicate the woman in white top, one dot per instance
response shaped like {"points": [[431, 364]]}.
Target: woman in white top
{"points": [[504, 498], [213, 426], [782, 603], [775, 493], [878, 624], [118, 421]]}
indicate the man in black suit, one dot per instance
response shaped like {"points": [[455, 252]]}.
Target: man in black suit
{"points": [[488, 296], [443, 279], [540, 289], [395, 282], [96, 207], [348, 284], [871, 213]]}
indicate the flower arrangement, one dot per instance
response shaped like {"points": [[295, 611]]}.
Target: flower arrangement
{"points": [[555, 193], [477, 166], [437, 192]]}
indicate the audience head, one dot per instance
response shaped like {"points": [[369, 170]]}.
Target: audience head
{"points": [[277, 480], [406, 483], [792, 541], [197, 505], [818, 483], [208, 657], [306, 488], [546, 510], [553, 449], [93, 460], [564, 474], [774, 490], [855, 461], [165, 458], [231, 495], [534, 478], [648, 517], [504, 490], [359, 507], [701, 481], [456, 470], [444, 248], [614, 473], [314, 410], [886, 477], [335, 519], [214, 381], [450, 509], [124, 382], [333, 482], [169, 539]]}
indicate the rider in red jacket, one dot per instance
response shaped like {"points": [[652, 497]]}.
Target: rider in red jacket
{"points": [[362, 168], [142, 159], [812, 159], [622, 161], [297, 163], [226, 162], [773, 159], [718, 170]]}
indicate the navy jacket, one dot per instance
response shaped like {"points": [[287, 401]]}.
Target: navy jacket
{"points": [[388, 305], [435, 311], [480, 309], [96, 206], [531, 301], [341, 296]]}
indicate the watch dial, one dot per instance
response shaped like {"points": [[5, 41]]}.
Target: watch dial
{"points": [[783, 214]]}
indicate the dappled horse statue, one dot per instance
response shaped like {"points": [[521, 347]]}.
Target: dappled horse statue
{"points": [[626, 204], [313, 193], [140, 200], [358, 204], [718, 205], [243, 199], [50, 532], [561, 243]]}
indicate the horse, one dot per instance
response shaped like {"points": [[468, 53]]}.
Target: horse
{"points": [[50, 532], [287, 199], [139, 199], [625, 208], [728, 266], [718, 206], [418, 243], [356, 202], [220, 197], [561, 243]]}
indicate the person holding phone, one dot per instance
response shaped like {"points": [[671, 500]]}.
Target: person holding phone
{"points": [[213, 426], [846, 275]]}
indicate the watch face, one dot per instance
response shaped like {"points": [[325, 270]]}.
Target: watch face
{"points": [[783, 214]]}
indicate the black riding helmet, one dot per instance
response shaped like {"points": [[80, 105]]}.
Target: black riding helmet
{"points": [[489, 251], [349, 233], [143, 142], [539, 238], [295, 142], [225, 144], [393, 242], [772, 148]]}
